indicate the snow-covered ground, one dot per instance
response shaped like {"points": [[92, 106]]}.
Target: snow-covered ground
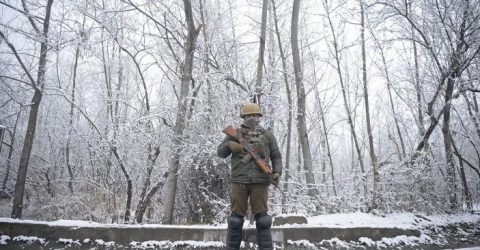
{"points": [[398, 220], [432, 228], [340, 220]]}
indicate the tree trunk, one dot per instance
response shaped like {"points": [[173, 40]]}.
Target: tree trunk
{"points": [[327, 142], [9, 157], [106, 72], [2, 133], [467, 195], [70, 123], [177, 142], [475, 102], [290, 110], [144, 196], [322, 148], [206, 68], [142, 204], [472, 115], [261, 51], [122, 166], [447, 140], [418, 89], [455, 71], [17, 207], [373, 157], [301, 97], [109, 111], [25, 157]]}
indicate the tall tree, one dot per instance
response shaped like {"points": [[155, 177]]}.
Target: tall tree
{"points": [[38, 87], [189, 49], [301, 98], [71, 117], [371, 150], [290, 106]]}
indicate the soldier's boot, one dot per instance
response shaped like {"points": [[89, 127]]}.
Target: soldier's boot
{"points": [[264, 235], [234, 231]]}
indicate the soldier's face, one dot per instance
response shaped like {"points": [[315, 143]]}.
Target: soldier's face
{"points": [[251, 118]]}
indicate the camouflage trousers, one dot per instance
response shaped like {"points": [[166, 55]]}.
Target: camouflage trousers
{"points": [[240, 194]]}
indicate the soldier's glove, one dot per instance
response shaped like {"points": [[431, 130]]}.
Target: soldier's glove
{"points": [[276, 178], [235, 147]]}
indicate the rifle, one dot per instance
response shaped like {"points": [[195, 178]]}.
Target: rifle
{"points": [[259, 162]]}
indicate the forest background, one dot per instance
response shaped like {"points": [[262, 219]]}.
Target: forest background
{"points": [[112, 110]]}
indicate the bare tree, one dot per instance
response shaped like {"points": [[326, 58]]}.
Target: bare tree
{"points": [[301, 98], [338, 68], [290, 106], [189, 49], [71, 116], [38, 86], [456, 52], [371, 150]]}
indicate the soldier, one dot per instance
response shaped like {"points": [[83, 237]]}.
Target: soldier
{"points": [[247, 181]]}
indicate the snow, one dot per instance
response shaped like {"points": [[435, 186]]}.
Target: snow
{"points": [[394, 220], [289, 215], [401, 240], [175, 244], [366, 241], [336, 242], [29, 239], [103, 243], [405, 240], [69, 242], [340, 220], [4, 239], [300, 243], [80, 223]]}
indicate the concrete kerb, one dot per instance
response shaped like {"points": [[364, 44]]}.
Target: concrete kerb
{"points": [[127, 234]]}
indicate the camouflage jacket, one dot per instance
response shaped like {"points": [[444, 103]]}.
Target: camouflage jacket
{"points": [[249, 172]]}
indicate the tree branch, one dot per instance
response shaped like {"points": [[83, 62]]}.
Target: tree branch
{"points": [[20, 11], [30, 19], [16, 79], [473, 90], [12, 47], [457, 153], [235, 82]]}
